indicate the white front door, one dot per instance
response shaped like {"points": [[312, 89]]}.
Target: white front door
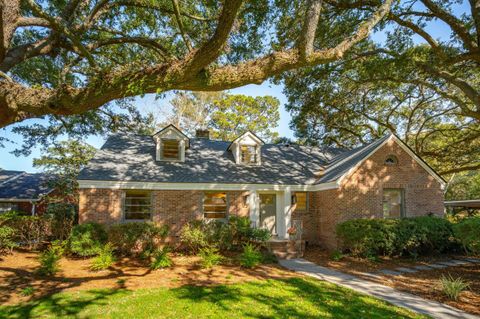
{"points": [[268, 212]]}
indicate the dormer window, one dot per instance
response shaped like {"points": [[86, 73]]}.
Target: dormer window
{"points": [[171, 144], [170, 149], [246, 149], [248, 154]]}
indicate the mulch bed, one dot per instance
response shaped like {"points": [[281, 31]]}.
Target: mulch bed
{"points": [[422, 283], [18, 271]]}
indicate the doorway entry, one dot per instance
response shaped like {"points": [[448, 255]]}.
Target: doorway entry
{"points": [[268, 212]]}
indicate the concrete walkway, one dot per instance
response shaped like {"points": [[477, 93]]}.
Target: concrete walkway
{"points": [[395, 297], [437, 265]]}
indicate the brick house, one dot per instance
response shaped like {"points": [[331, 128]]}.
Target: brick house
{"points": [[23, 192], [172, 179]]}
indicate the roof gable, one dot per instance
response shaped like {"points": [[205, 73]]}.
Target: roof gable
{"points": [[171, 131], [359, 157], [248, 136]]}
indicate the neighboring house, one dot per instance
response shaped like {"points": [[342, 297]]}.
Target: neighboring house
{"points": [[21, 191], [172, 179]]}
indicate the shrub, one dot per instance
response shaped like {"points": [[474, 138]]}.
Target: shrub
{"points": [[452, 287], [423, 235], [366, 237], [222, 235], [467, 232], [193, 237], [161, 259], [136, 238], [210, 257], [250, 257], [337, 255], [30, 231], [50, 258], [62, 218], [87, 239], [104, 260], [243, 232], [7, 242], [374, 237], [269, 258]]}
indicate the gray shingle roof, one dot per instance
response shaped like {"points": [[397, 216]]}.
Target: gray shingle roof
{"points": [[25, 186], [129, 157], [4, 174]]}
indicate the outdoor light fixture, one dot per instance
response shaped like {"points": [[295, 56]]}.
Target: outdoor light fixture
{"points": [[294, 199], [245, 200]]}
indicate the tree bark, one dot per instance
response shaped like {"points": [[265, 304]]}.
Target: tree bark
{"points": [[195, 72]]}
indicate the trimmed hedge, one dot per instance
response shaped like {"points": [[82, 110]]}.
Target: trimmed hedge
{"points": [[387, 237], [136, 238], [467, 231], [225, 236]]}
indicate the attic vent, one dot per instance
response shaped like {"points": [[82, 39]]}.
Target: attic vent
{"points": [[202, 134]]}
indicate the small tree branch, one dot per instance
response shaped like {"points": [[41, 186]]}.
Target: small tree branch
{"points": [[58, 25], [178, 18]]}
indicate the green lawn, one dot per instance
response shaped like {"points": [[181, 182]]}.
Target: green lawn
{"points": [[289, 298]]}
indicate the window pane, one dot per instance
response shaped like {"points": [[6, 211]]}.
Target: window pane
{"points": [[170, 149], [392, 203], [6, 207], [301, 201], [248, 154], [215, 205], [137, 205]]}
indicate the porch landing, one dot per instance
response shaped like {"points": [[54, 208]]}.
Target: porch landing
{"points": [[286, 249]]}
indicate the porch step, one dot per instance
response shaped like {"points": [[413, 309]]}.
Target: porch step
{"points": [[287, 255], [286, 249]]}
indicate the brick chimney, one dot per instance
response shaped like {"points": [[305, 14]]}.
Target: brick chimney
{"points": [[202, 133]]}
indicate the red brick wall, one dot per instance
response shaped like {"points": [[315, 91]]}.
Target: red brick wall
{"points": [[360, 195], [171, 207], [100, 205]]}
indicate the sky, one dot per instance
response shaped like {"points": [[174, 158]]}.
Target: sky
{"points": [[8, 161]]}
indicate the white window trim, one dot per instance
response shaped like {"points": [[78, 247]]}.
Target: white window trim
{"points": [[124, 197], [403, 208], [227, 208]]}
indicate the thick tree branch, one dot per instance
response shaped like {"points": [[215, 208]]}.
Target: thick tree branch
{"points": [[9, 14], [32, 22], [194, 72], [421, 32], [211, 50], [465, 87], [307, 37], [475, 9], [454, 23]]}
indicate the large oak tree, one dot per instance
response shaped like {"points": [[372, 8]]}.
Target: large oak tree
{"points": [[422, 86], [66, 57]]}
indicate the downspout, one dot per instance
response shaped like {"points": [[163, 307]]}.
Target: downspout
{"points": [[33, 208]]}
